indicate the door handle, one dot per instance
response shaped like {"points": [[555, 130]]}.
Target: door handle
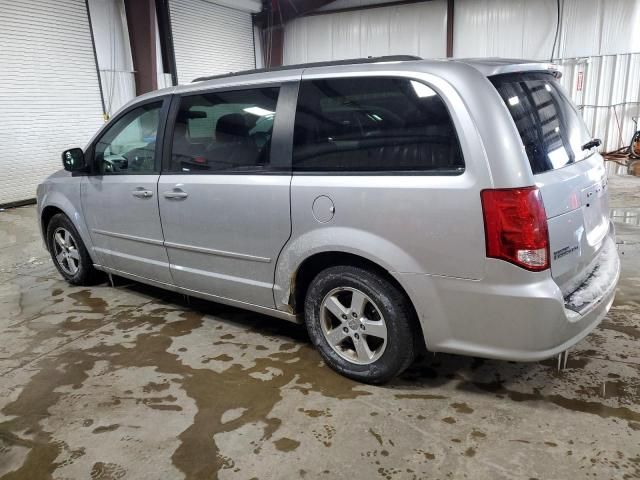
{"points": [[141, 192], [176, 193]]}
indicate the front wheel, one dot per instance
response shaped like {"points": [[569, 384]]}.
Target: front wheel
{"points": [[362, 324], [68, 252]]}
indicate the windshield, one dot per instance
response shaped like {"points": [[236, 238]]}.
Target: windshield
{"points": [[550, 127]]}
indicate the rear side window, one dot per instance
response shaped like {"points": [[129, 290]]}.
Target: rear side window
{"points": [[374, 124], [550, 127], [224, 132]]}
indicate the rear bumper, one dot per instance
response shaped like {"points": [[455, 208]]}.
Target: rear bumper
{"points": [[522, 317]]}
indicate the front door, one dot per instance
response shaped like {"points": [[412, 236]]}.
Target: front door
{"points": [[120, 200], [224, 202]]}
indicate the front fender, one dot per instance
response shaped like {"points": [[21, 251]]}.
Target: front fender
{"points": [[65, 196]]}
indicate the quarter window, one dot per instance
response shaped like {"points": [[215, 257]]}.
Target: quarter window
{"points": [[374, 125], [129, 146], [551, 129], [224, 132]]}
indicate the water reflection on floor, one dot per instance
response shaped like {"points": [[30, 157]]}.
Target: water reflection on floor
{"points": [[629, 216]]}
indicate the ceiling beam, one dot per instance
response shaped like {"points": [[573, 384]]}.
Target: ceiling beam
{"points": [[279, 12]]}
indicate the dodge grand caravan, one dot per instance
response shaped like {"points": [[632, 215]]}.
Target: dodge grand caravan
{"points": [[391, 204]]}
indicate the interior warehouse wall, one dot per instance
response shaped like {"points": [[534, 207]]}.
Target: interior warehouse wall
{"points": [[210, 39], [598, 45], [111, 37], [49, 90], [415, 29], [598, 49]]}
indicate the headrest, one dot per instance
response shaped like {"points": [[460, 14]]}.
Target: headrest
{"points": [[232, 124]]}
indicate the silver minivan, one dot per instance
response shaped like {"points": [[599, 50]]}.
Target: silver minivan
{"points": [[392, 204]]}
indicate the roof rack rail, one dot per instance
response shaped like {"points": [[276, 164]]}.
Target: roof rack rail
{"points": [[352, 61]]}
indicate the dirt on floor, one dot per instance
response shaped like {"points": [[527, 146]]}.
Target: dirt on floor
{"points": [[135, 382]]}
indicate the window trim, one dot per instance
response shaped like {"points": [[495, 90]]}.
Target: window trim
{"points": [[94, 170], [379, 173], [281, 137]]}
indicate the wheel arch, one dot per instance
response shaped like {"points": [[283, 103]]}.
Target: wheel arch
{"points": [[58, 203], [311, 266], [47, 214]]}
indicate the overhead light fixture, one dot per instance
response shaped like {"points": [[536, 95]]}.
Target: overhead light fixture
{"points": [[258, 111], [514, 101]]}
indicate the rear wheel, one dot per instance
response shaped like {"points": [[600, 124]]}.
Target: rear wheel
{"points": [[361, 323], [68, 252]]}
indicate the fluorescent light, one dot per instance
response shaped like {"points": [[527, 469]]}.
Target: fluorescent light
{"points": [[514, 101], [260, 112], [422, 90], [547, 87]]}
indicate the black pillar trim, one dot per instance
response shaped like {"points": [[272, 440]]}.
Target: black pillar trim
{"points": [[163, 13], [105, 114]]}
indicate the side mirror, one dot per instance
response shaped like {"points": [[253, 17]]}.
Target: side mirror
{"points": [[73, 160]]}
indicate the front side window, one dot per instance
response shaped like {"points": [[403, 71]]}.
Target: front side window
{"points": [[374, 124], [224, 132], [551, 129], [129, 145]]}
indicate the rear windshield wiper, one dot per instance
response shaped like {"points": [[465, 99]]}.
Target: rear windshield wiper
{"points": [[596, 142]]}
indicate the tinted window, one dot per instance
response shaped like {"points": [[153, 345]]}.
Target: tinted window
{"points": [[373, 124], [224, 131], [551, 129], [129, 145]]}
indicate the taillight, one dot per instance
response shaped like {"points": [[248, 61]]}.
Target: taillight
{"points": [[515, 226]]}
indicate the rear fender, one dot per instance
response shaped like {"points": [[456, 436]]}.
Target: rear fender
{"points": [[336, 239]]}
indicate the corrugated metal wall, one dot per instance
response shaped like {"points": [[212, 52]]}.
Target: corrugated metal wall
{"points": [[418, 29], [597, 47], [113, 51], [607, 91], [600, 38], [526, 29], [210, 39], [49, 98]]}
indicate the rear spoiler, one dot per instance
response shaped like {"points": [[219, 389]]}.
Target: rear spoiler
{"points": [[498, 66], [530, 67]]}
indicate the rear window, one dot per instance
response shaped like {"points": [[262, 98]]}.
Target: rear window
{"points": [[374, 125], [550, 127]]}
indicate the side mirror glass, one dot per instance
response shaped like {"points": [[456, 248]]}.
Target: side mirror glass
{"points": [[73, 160]]}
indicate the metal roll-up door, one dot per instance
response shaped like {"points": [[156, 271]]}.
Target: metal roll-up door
{"points": [[49, 92], [210, 39]]}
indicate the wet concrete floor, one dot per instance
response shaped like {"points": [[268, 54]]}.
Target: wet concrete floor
{"points": [[134, 383]]}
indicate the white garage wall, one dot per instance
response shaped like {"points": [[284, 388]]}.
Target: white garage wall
{"points": [[599, 42], [526, 28], [606, 89], [210, 39], [113, 51], [504, 28], [416, 29], [49, 95], [599, 38]]}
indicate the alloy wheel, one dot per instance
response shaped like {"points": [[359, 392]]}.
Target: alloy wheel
{"points": [[352, 324], [65, 251]]}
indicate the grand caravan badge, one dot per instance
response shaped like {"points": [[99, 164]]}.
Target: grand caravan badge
{"points": [[563, 252]]}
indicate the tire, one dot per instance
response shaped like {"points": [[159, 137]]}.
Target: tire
{"points": [[73, 252], [634, 146], [385, 312]]}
